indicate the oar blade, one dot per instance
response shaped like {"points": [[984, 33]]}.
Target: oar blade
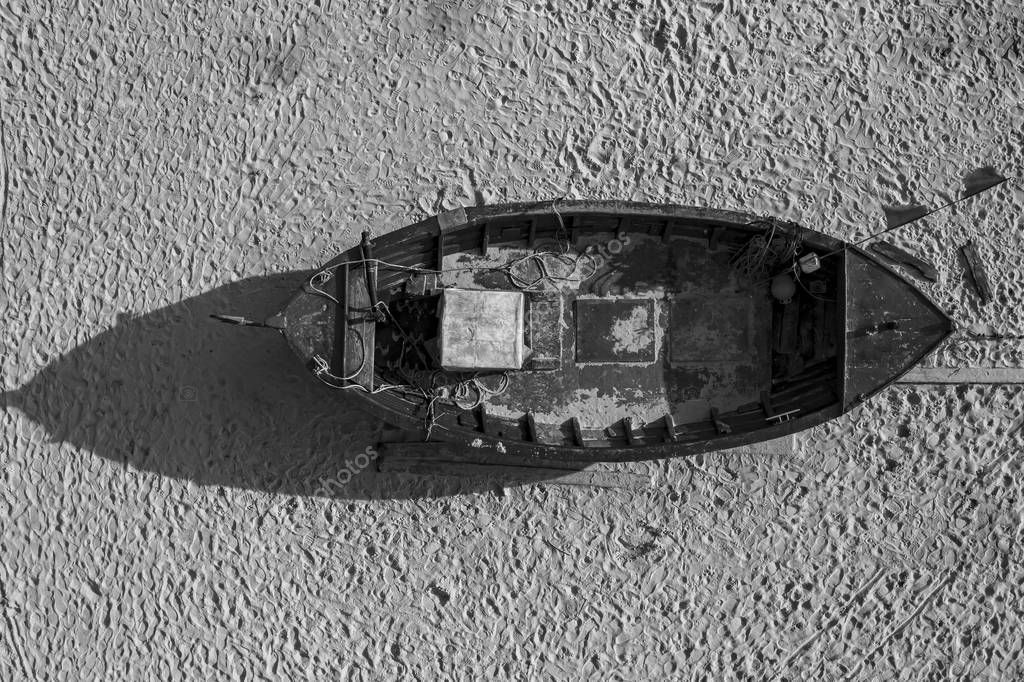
{"points": [[979, 180], [901, 215], [235, 319]]}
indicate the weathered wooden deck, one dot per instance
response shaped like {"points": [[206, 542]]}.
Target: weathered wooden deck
{"points": [[664, 327]]}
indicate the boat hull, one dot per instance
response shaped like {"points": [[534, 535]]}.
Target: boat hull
{"points": [[712, 361]]}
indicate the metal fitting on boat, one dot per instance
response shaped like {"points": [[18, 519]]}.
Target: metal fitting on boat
{"points": [[809, 263]]}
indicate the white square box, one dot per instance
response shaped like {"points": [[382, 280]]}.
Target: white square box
{"points": [[481, 329]]}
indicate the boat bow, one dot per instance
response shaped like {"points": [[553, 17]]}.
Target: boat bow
{"points": [[890, 327]]}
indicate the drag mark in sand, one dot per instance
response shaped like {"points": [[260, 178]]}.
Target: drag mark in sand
{"points": [[5, 169], [864, 589], [941, 583]]}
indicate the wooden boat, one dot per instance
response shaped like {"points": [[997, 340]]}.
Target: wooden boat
{"points": [[588, 330]]}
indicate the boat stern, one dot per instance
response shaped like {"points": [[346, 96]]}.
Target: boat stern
{"points": [[308, 324]]}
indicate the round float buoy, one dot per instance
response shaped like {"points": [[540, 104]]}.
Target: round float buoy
{"points": [[783, 288]]}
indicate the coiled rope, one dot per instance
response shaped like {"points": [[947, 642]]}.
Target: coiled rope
{"points": [[761, 256]]}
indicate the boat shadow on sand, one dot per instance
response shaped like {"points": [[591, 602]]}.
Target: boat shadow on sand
{"points": [[176, 393]]}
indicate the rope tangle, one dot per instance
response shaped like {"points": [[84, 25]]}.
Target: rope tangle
{"points": [[761, 255]]}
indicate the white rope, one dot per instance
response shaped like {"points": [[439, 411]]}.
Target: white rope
{"points": [[543, 269], [320, 278]]}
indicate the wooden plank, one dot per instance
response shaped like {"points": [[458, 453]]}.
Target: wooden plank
{"points": [[485, 239], [963, 375], [515, 474], [777, 447], [544, 330], [440, 251], [577, 432], [418, 239], [369, 269], [359, 342], [839, 323], [420, 259], [451, 220], [976, 271], [340, 321], [670, 429], [482, 454], [789, 328], [498, 427], [461, 240], [720, 426], [594, 317], [714, 236], [831, 325], [531, 427], [797, 392], [510, 233], [905, 258], [627, 427], [820, 351]]}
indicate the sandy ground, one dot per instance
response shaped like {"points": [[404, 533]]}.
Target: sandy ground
{"points": [[159, 515]]}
